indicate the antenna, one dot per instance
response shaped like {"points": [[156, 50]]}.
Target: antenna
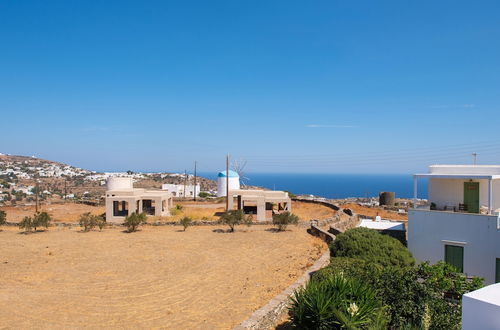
{"points": [[474, 155]]}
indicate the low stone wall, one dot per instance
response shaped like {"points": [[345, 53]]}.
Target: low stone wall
{"points": [[321, 202], [268, 316]]}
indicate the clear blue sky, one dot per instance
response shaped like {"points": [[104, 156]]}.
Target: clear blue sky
{"points": [[291, 86]]}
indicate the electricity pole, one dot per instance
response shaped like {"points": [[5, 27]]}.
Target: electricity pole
{"points": [[36, 195], [195, 180], [474, 155], [227, 182]]}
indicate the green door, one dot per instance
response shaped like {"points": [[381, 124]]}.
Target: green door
{"points": [[497, 271], [454, 255], [471, 196]]}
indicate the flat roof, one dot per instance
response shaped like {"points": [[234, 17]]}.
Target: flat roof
{"points": [[489, 294], [382, 225], [457, 176]]}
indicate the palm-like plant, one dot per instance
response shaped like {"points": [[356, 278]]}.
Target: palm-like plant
{"points": [[336, 302]]}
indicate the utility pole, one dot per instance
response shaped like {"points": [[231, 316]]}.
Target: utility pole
{"points": [[227, 182], [195, 180], [36, 195], [185, 179], [65, 189], [474, 155]]}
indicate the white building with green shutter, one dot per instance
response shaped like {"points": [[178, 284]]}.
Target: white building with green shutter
{"points": [[460, 224]]}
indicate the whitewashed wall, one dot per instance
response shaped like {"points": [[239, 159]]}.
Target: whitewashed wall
{"points": [[481, 313], [451, 192], [427, 231]]}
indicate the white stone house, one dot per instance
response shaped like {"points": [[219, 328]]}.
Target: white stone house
{"points": [[481, 308], [122, 199], [261, 204], [177, 190], [460, 224]]}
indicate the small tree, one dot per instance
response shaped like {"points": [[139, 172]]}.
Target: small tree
{"points": [[235, 217], [186, 222], [133, 221], [3, 218], [88, 221], [41, 219], [282, 220], [26, 224]]}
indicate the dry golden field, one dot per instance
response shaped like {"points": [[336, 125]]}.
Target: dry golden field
{"points": [[158, 277]]}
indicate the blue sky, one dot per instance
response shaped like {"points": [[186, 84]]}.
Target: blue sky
{"points": [[290, 86]]}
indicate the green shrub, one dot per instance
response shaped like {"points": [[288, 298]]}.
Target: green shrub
{"points": [[3, 217], [235, 217], [133, 221], [203, 194], [26, 224], [368, 244], [282, 220], [88, 221], [176, 210], [413, 295], [186, 222], [41, 219], [337, 302]]}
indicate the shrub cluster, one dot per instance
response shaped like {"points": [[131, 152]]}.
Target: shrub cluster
{"points": [[282, 220], [3, 217], [423, 296], [88, 221], [133, 221], [186, 222], [39, 219], [233, 218]]}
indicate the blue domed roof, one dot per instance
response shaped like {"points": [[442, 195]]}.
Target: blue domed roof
{"points": [[232, 174]]}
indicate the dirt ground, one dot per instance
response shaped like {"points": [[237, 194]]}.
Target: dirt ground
{"points": [[70, 212], [157, 277], [372, 211]]}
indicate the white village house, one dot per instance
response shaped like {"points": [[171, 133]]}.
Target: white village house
{"points": [[460, 224], [180, 190]]}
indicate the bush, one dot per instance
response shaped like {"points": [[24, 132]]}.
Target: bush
{"points": [[41, 219], [337, 302], [26, 223], [133, 221], [176, 210], [235, 217], [203, 194], [3, 218], [186, 222], [88, 221], [413, 295], [368, 244], [282, 220]]}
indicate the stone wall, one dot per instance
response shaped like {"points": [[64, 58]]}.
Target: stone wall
{"points": [[268, 316]]}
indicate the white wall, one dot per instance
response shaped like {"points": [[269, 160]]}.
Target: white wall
{"points": [[480, 314], [451, 192], [428, 229], [178, 189]]}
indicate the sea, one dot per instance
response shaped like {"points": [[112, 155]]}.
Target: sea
{"points": [[335, 185]]}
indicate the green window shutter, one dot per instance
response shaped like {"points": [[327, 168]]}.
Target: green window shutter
{"points": [[497, 271], [454, 255]]}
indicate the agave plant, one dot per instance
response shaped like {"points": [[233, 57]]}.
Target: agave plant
{"points": [[336, 302]]}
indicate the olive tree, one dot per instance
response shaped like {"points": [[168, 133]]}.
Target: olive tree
{"points": [[282, 220], [88, 221], [233, 218], [133, 221], [186, 222]]}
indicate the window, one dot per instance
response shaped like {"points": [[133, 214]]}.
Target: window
{"points": [[497, 271], [454, 255]]}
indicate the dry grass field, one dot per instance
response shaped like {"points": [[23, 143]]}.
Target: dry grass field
{"points": [[374, 211], [158, 277], [70, 212]]}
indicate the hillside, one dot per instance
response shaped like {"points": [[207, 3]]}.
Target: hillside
{"points": [[19, 174]]}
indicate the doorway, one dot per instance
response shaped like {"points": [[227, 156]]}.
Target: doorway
{"points": [[471, 196]]}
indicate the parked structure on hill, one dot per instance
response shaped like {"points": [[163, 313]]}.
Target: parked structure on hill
{"points": [[234, 182], [260, 203], [122, 199], [180, 190], [460, 225]]}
